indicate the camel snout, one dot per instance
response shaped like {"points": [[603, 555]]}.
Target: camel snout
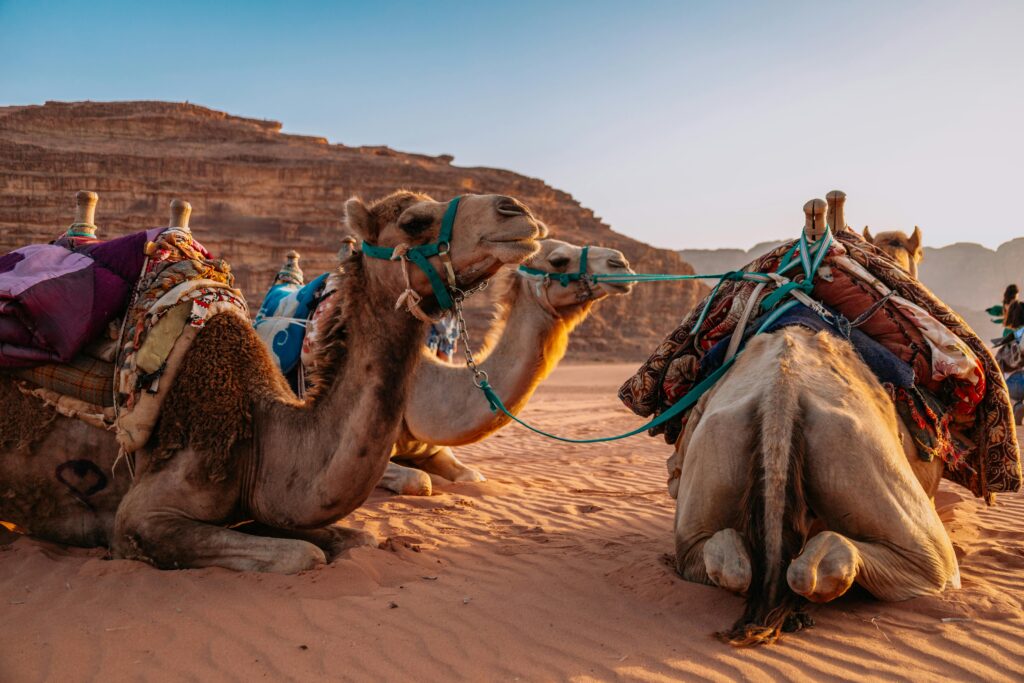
{"points": [[507, 206]]}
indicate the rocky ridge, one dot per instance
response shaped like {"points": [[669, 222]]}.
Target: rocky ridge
{"points": [[257, 193]]}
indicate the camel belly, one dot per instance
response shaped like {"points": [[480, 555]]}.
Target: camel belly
{"points": [[62, 489]]}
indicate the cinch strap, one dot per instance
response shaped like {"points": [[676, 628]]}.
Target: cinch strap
{"points": [[421, 254]]}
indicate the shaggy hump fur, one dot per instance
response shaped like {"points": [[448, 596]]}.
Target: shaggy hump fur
{"points": [[210, 408]]}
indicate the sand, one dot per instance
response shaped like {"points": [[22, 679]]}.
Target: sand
{"points": [[553, 569]]}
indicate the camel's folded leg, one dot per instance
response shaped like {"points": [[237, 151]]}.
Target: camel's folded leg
{"points": [[405, 481], [831, 562], [158, 521], [333, 539], [708, 547], [883, 532], [444, 464]]}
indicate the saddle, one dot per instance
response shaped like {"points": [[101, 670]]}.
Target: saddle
{"points": [[118, 377], [958, 401]]}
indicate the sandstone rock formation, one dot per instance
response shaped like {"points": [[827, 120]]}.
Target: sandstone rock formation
{"points": [[257, 193]]}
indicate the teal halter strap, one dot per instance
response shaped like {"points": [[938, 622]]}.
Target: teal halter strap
{"points": [[421, 254], [811, 256], [562, 278]]}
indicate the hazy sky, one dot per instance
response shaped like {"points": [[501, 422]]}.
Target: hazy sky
{"points": [[683, 124]]}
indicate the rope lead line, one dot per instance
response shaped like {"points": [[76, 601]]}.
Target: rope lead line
{"points": [[811, 256]]}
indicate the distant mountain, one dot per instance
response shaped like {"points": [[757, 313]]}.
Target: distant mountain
{"points": [[967, 276]]}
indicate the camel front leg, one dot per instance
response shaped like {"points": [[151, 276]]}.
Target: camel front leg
{"points": [[405, 481], [444, 464], [333, 539], [174, 518]]}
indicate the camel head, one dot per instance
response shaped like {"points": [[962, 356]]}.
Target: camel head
{"points": [[905, 251], [557, 257], [489, 231]]}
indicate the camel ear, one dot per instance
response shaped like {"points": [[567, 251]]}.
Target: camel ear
{"points": [[867, 235], [360, 221], [915, 240]]}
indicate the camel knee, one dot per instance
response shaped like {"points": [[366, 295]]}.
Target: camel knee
{"points": [[825, 569], [727, 561]]}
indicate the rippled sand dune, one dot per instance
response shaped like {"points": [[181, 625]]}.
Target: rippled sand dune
{"points": [[553, 569]]}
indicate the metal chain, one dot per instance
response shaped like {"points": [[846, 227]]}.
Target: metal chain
{"points": [[479, 376]]}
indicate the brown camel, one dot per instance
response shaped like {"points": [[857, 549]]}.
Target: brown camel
{"points": [[528, 339], [241, 474], [905, 251]]}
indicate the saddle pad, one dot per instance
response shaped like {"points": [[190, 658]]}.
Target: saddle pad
{"points": [[87, 379]]}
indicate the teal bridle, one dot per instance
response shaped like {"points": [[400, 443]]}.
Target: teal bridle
{"points": [[420, 256], [562, 278]]}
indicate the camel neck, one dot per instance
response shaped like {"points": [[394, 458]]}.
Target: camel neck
{"points": [[445, 408], [332, 451]]}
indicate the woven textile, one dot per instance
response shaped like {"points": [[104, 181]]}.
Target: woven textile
{"points": [[84, 378], [948, 357]]}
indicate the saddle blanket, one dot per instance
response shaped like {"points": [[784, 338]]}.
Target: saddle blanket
{"points": [[960, 396]]}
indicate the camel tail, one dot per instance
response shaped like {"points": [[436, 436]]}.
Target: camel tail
{"points": [[775, 517]]}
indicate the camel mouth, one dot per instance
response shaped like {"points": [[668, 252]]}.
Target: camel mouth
{"points": [[513, 249], [613, 288]]}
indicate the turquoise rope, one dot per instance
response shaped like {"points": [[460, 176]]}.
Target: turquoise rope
{"points": [[810, 267]]}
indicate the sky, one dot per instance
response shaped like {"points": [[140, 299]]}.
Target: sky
{"points": [[683, 124]]}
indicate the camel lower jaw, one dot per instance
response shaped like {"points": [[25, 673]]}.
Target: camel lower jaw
{"points": [[615, 288], [513, 251]]}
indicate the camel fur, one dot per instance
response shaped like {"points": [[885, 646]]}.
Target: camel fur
{"points": [[906, 251], [240, 474], [527, 339]]}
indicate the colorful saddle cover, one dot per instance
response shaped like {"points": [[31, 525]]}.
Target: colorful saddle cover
{"points": [[971, 423], [282, 319]]}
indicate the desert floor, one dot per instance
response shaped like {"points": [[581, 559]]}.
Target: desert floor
{"points": [[553, 569]]}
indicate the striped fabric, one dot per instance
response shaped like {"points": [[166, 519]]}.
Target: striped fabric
{"points": [[84, 378]]}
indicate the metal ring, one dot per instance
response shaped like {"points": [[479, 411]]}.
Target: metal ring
{"points": [[476, 378], [443, 248]]}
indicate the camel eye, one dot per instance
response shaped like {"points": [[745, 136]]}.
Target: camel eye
{"points": [[895, 243], [415, 225], [559, 261]]}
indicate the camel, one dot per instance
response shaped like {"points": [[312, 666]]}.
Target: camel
{"points": [[798, 479], [526, 342], [240, 473], [905, 251]]}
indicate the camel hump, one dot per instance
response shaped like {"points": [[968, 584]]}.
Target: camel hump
{"points": [[814, 219], [85, 211], [836, 200], [181, 211], [290, 271]]}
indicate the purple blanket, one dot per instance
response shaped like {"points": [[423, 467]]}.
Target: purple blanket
{"points": [[53, 301]]}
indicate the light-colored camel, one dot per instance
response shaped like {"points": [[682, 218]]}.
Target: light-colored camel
{"points": [[905, 251], [526, 342], [302, 464], [798, 478]]}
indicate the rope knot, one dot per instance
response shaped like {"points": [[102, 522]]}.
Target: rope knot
{"points": [[400, 252]]}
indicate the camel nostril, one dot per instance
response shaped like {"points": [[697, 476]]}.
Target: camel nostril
{"points": [[507, 206], [618, 263]]}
